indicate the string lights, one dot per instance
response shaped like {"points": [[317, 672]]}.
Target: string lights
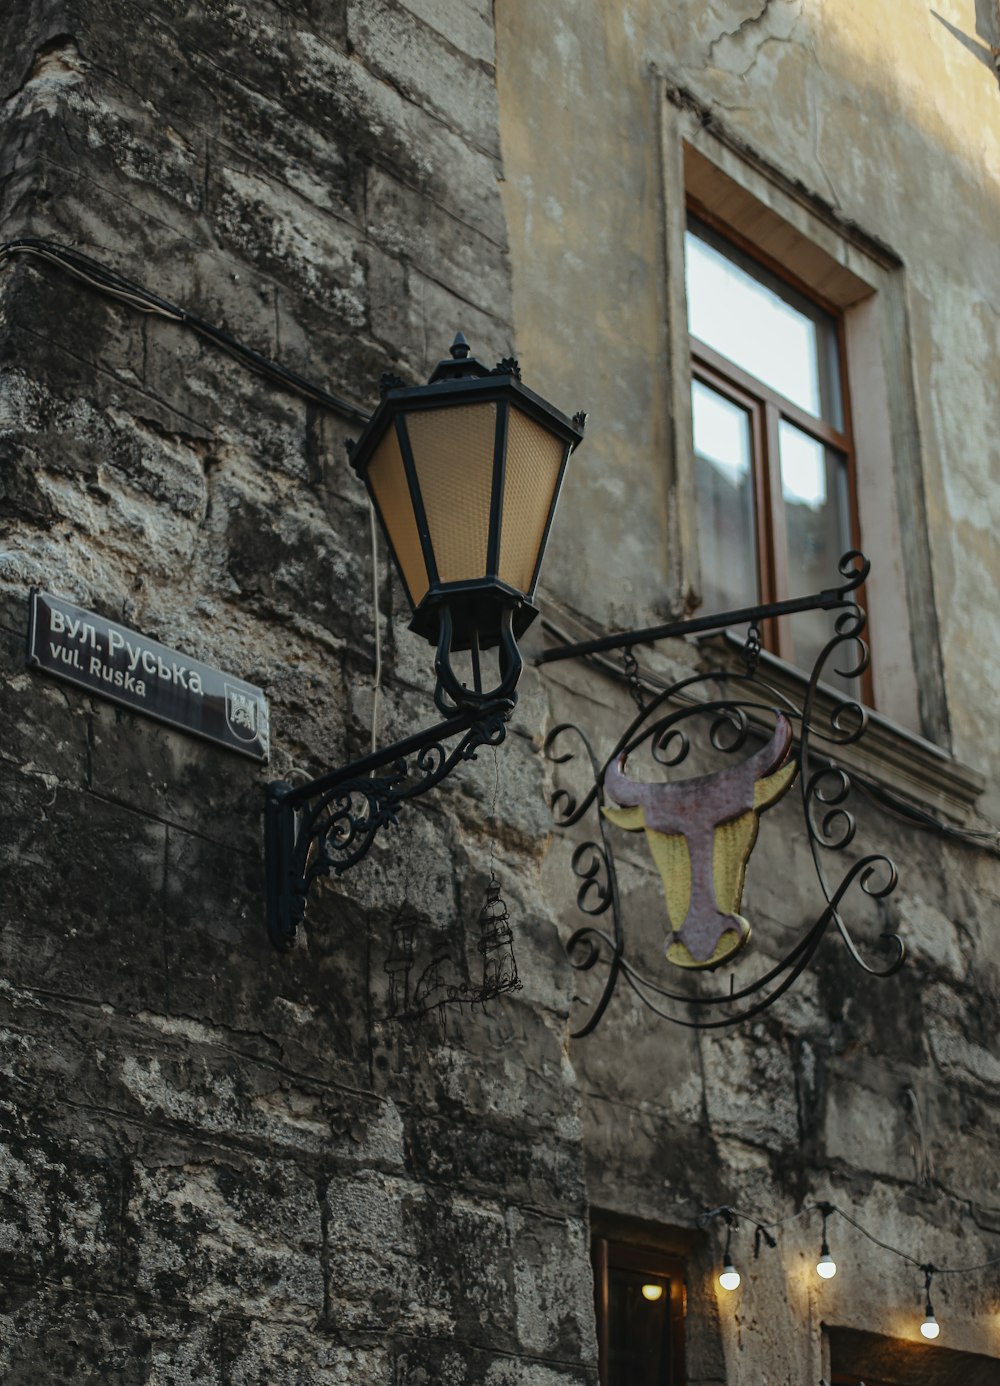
{"points": [[729, 1276], [826, 1266], [930, 1327]]}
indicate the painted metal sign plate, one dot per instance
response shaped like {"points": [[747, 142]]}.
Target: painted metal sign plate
{"points": [[117, 663]]}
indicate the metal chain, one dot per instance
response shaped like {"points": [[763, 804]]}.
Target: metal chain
{"points": [[751, 650], [493, 815], [631, 666]]}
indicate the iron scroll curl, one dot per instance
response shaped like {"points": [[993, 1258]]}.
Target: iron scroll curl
{"points": [[330, 824], [736, 706]]}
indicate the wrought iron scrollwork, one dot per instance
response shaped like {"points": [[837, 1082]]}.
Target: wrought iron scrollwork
{"points": [[329, 824], [736, 705]]}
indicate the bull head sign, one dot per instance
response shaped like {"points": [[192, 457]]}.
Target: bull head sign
{"points": [[701, 833]]}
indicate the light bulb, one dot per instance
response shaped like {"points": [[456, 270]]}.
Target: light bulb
{"points": [[826, 1266], [930, 1327], [730, 1277], [652, 1292]]}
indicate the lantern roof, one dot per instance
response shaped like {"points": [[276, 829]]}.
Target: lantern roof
{"points": [[461, 377]]}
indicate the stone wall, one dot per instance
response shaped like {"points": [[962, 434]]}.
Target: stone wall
{"points": [[221, 1165]]}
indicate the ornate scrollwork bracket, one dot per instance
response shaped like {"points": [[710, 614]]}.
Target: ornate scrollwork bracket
{"points": [[736, 705], [329, 824]]}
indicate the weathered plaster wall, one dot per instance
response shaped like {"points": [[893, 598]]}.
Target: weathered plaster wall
{"points": [[880, 1095], [221, 1165], [877, 109]]}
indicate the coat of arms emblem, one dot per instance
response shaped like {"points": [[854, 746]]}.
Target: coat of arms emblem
{"points": [[241, 713]]}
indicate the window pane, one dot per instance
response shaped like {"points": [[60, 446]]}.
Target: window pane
{"points": [[724, 478], [762, 325], [638, 1330], [817, 519]]}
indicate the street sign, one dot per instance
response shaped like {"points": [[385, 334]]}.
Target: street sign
{"points": [[118, 663]]}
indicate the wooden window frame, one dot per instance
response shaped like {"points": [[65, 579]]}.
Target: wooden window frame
{"points": [[766, 408], [608, 1253]]}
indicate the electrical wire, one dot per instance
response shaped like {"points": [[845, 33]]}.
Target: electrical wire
{"points": [[913, 1260], [117, 286], [378, 628], [728, 1213]]}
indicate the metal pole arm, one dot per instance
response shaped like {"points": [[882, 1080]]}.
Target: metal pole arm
{"points": [[330, 823], [827, 600]]}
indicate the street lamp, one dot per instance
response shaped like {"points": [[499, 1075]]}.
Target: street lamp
{"points": [[464, 474]]}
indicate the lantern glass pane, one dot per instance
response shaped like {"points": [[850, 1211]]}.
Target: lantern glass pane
{"points": [[387, 478], [453, 456], [534, 459]]}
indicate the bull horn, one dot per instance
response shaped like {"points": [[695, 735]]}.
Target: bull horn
{"points": [[623, 790], [765, 761]]}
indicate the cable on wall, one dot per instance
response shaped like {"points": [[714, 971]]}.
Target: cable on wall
{"points": [[123, 290], [377, 674]]}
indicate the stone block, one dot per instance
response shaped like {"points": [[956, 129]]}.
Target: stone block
{"points": [[960, 1037], [27, 1234], [389, 130], [47, 727], [416, 1260], [444, 312], [443, 1363], [129, 147], [739, 1066], [495, 1162], [867, 1129], [427, 69], [310, 251], [472, 1064], [287, 563], [87, 915], [310, 1003], [87, 1213], [642, 1164], [466, 24], [238, 1235], [553, 1286], [174, 776], [421, 233], [281, 1355], [61, 1337]]}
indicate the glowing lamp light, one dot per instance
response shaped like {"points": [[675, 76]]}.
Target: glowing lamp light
{"points": [[826, 1266], [930, 1327], [730, 1277], [652, 1292]]}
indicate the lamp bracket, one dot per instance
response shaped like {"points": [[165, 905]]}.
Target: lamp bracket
{"points": [[731, 706], [330, 823], [449, 694]]}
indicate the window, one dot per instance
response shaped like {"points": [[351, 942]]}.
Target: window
{"points": [[639, 1295], [772, 443], [841, 298]]}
